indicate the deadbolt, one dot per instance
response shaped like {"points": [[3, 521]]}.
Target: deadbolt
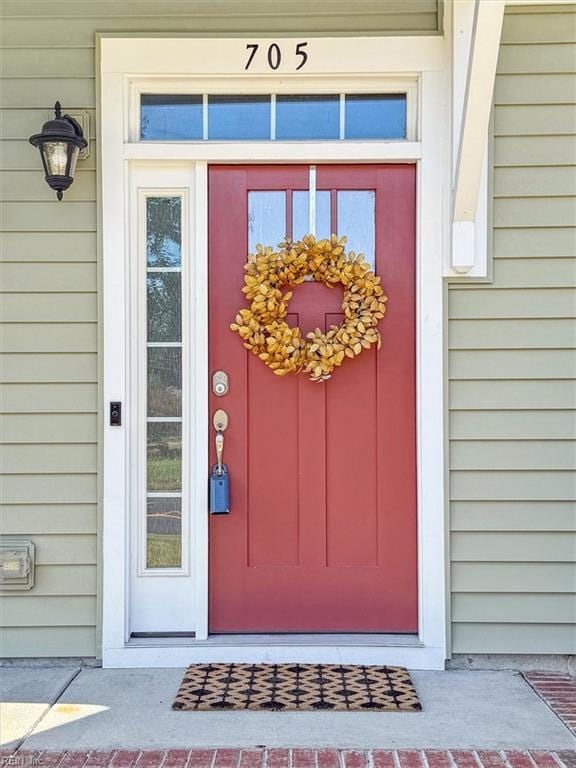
{"points": [[220, 383]]}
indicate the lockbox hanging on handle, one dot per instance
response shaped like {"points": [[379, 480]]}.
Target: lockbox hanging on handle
{"points": [[219, 490]]}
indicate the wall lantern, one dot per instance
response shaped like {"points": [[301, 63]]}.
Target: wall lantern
{"points": [[59, 143]]}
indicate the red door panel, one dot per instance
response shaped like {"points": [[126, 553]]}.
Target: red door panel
{"points": [[322, 531]]}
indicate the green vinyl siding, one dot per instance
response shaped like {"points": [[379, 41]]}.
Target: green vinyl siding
{"points": [[48, 338], [514, 638], [36, 519], [69, 25], [512, 388], [29, 640], [48, 372], [48, 304]]}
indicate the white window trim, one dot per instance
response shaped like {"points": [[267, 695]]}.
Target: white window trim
{"points": [[206, 86], [124, 61], [147, 586]]}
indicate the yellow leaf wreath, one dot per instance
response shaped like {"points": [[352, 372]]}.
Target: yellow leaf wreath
{"points": [[263, 327]]}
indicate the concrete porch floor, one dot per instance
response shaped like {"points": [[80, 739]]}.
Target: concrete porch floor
{"points": [[63, 708]]}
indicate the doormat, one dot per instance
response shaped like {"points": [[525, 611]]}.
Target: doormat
{"points": [[283, 687]]}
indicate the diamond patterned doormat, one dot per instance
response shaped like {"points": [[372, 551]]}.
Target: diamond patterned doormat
{"points": [[297, 686]]}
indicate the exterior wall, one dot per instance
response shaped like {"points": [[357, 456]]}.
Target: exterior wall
{"points": [[49, 306], [513, 365]]}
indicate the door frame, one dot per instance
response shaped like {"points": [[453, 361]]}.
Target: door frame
{"points": [[128, 65]]}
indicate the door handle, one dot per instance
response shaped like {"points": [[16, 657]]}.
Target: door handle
{"points": [[219, 451], [220, 421], [219, 479]]}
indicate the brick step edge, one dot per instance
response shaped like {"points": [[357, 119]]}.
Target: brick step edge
{"points": [[290, 758], [558, 691]]}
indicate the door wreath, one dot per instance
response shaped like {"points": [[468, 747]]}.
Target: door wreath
{"points": [[263, 328]]}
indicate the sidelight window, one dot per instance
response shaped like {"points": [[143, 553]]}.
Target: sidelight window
{"points": [[164, 382]]}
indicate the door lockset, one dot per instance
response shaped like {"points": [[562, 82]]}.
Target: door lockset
{"points": [[219, 479], [220, 383], [220, 421]]}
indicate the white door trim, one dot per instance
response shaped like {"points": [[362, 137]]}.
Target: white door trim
{"points": [[124, 62]]}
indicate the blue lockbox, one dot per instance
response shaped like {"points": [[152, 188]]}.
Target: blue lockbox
{"points": [[219, 490]]}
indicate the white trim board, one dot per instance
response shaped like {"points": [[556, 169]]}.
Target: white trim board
{"points": [[277, 151], [180, 656], [148, 587], [288, 84], [124, 64], [476, 40], [312, 640]]}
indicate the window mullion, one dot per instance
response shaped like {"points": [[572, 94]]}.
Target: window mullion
{"points": [[312, 200]]}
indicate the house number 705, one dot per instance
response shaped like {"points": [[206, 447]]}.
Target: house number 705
{"points": [[274, 55]]}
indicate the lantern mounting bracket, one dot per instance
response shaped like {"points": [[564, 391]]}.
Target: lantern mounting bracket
{"points": [[82, 118]]}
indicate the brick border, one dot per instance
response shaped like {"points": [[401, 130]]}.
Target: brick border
{"points": [[559, 692], [291, 758]]}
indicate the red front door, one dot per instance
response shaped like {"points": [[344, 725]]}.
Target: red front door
{"points": [[321, 536]]}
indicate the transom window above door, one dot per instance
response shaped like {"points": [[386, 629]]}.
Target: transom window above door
{"points": [[273, 117]]}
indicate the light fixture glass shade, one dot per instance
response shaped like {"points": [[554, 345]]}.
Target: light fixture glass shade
{"points": [[56, 156], [74, 152]]}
